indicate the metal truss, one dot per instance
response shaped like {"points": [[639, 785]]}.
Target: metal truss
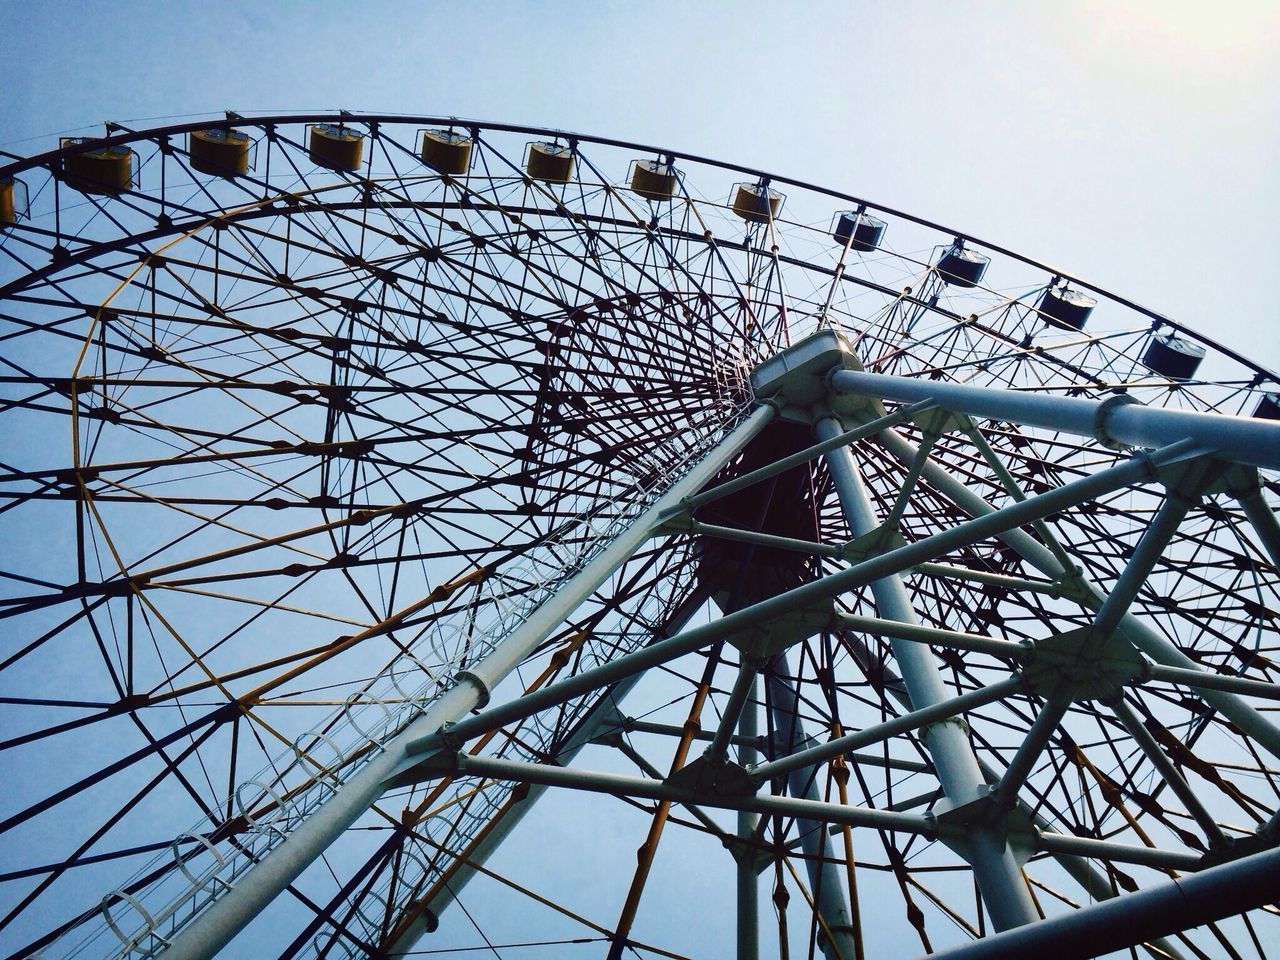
{"points": [[357, 514]]}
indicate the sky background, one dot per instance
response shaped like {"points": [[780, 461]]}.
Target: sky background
{"points": [[1131, 143], [1134, 144]]}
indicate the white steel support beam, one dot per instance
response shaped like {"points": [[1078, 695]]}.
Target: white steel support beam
{"points": [[1261, 516], [1079, 866], [824, 873], [623, 785], [421, 917], [935, 713], [1118, 421], [1141, 917], [214, 928], [1169, 773], [995, 867], [748, 876]]}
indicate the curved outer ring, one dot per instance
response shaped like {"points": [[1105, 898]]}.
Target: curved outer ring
{"points": [[51, 157]]}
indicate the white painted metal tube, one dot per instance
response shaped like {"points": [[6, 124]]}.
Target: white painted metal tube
{"points": [[625, 785], [999, 877], [591, 725], [747, 875], [991, 523], [1135, 918], [1263, 519], [550, 615], [933, 713], [1122, 423], [824, 875]]}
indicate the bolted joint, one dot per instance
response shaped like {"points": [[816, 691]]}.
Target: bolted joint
{"points": [[447, 738], [1188, 482]]}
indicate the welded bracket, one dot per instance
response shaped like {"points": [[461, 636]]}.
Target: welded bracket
{"points": [[937, 422], [1193, 479], [797, 378], [433, 766], [1056, 667], [873, 543], [711, 777], [955, 823]]}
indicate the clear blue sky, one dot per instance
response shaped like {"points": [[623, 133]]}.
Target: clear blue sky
{"points": [[1133, 143]]}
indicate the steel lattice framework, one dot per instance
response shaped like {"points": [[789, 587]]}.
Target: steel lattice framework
{"points": [[355, 497]]}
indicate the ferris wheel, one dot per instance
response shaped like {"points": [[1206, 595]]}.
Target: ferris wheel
{"points": [[425, 535]]}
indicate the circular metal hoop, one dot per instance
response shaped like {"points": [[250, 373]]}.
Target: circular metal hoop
{"points": [[148, 922], [183, 862]]}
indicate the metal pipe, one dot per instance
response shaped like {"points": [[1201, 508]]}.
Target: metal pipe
{"points": [[1145, 556], [803, 456], [879, 627], [624, 785], [1042, 730], [765, 539], [1214, 681], [1122, 423], [1263, 519], [598, 717], [1050, 842], [997, 872], [212, 929], [742, 689], [1154, 645], [1212, 894], [632, 725], [748, 875], [934, 713], [824, 873], [1095, 884]]}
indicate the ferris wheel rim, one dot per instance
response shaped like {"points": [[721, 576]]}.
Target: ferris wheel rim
{"points": [[51, 157]]}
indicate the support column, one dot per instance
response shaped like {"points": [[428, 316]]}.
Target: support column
{"points": [[824, 874], [1142, 917], [748, 874], [1263, 518], [999, 876], [213, 929]]}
